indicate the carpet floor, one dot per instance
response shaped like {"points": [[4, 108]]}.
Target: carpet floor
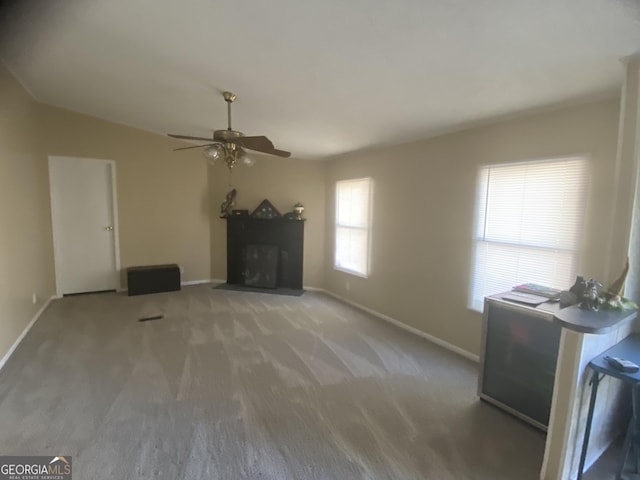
{"points": [[230, 385], [273, 291]]}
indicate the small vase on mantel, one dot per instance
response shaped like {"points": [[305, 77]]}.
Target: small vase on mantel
{"points": [[298, 209]]}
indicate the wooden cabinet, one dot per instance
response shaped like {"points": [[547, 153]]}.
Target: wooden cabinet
{"points": [[287, 236]]}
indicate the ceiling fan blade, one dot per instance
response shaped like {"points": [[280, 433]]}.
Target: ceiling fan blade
{"points": [[187, 137], [280, 153], [260, 143], [194, 146]]}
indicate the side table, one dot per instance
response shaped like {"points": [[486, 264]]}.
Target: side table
{"points": [[628, 349]]}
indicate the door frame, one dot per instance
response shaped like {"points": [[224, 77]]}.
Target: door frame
{"points": [[114, 208]]}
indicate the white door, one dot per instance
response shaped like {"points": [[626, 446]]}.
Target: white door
{"points": [[84, 218]]}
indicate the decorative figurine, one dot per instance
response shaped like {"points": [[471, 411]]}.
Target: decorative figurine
{"points": [[227, 205], [591, 299], [574, 294], [617, 287], [298, 209], [615, 290], [265, 210], [578, 288]]}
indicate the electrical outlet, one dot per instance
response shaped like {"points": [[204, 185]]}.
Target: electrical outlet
{"points": [[347, 285], [181, 270], [34, 298]]}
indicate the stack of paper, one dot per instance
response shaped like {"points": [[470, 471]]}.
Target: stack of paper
{"points": [[535, 289]]}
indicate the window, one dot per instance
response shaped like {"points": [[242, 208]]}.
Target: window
{"points": [[353, 213], [529, 219]]}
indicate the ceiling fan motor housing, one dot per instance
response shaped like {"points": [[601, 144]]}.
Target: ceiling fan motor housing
{"points": [[224, 136]]}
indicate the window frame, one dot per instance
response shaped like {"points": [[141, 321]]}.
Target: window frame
{"points": [[366, 228], [480, 218]]}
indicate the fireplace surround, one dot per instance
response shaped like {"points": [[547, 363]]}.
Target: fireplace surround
{"points": [[258, 248]]}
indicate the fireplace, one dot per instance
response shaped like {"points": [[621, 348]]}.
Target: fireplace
{"points": [[260, 264], [265, 253]]}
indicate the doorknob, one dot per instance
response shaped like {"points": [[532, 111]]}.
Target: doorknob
{"points": [[108, 229]]}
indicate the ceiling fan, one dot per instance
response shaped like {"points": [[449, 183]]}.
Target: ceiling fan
{"points": [[230, 144]]}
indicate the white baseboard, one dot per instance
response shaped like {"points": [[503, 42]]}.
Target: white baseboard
{"points": [[26, 330], [408, 328], [213, 281], [314, 289]]}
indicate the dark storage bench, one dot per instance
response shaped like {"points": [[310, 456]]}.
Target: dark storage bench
{"points": [[153, 279]]}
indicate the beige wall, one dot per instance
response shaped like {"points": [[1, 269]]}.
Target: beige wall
{"points": [[26, 258], [423, 211], [163, 200], [284, 182], [163, 203], [423, 206]]}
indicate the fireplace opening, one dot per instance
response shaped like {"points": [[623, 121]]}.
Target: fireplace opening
{"points": [[265, 253], [260, 264]]}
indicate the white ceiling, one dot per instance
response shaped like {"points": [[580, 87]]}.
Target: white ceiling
{"points": [[317, 77]]}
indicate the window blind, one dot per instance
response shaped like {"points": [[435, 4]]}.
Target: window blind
{"points": [[529, 221], [353, 202]]}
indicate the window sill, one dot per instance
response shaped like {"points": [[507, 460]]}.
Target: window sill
{"points": [[351, 272]]}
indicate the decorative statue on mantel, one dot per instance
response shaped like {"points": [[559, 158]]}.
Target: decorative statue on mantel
{"points": [[298, 210], [228, 204], [296, 213]]}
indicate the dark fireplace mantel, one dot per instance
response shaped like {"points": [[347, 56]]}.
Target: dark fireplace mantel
{"points": [[254, 235]]}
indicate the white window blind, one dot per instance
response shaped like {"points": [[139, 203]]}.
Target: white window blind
{"points": [[353, 212], [529, 222]]}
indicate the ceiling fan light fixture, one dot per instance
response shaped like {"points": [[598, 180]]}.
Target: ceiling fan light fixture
{"points": [[247, 160], [212, 153]]}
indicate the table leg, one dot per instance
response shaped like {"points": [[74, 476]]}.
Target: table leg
{"points": [[631, 438], [626, 447], [636, 424], [595, 380]]}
